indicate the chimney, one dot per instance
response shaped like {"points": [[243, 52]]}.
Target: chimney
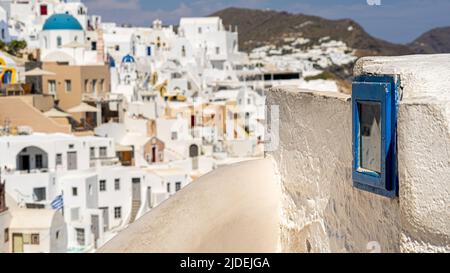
{"points": [[100, 46]]}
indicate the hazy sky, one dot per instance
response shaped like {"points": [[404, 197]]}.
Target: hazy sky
{"points": [[394, 20]]}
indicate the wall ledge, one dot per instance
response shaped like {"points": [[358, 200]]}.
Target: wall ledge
{"points": [[313, 93]]}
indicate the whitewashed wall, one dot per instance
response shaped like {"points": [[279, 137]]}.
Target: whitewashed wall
{"points": [[5, 220], [322, 212]]}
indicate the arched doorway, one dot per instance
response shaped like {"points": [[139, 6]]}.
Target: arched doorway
{"points": [[154, 154], [193, 154], [193, 150], [31, 158]]}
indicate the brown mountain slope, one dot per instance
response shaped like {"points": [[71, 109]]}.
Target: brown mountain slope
{"points": [[258, 28], [434, 41]]}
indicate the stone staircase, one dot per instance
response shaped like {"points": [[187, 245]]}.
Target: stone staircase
{"points": [[136, 205]]}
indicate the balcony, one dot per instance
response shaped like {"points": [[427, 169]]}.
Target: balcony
{"points": [[102, 97], [104, 162]]}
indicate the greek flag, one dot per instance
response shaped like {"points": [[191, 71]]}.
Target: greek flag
{"points": [[58, 203]]}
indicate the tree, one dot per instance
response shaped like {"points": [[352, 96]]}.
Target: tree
{"points": [[15, 46], [2, 46]]}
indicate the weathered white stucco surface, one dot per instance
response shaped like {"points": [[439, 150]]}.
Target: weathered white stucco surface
{"points": [[234, 209], [421, 75], [424, 173], [424, 146], [322, 211]]}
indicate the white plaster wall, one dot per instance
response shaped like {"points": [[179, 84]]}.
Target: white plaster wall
{"points": [[49, 38], [4, 29], [424, 146], [241, 147], [205, 164], [212, 35], [421, 75], [424, 172], [165, 127], [157, 188], [322, 212], [138, 126], [115, 131], [233, 210], [148, 109], [58, 245], [177, 50], [113, 198], [52, 145], [5, 220], [44, 240], [87, 197], [172, 180], [117, 36], [88, 235], [48, 243], [20, 186]]}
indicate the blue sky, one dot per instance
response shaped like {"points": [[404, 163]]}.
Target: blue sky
{"points": [[398, 21]]}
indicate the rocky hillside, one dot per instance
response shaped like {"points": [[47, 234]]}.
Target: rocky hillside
{"points": [[259, 28], [434, 41], [324, 50]]}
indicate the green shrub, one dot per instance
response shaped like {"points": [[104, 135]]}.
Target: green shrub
{"points": [[15, 46], [322, 76]]}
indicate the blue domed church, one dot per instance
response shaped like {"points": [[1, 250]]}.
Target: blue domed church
{"points": [[61, 32]]}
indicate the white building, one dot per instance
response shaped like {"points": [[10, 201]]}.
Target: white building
{"points": [[28, 17], [63, 39], [5, 220], [117, 41], [208, 34], [4, 28], [99, 196], [37, 231], [172, 179]]}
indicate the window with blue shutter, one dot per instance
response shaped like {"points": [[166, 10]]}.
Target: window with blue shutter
{"points": [[374, 103]]}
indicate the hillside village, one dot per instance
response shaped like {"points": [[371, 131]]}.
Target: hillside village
{"points": [[101, 123], [297, 37]]}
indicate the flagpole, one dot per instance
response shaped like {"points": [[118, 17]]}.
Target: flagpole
{"points": [[62, 207]]}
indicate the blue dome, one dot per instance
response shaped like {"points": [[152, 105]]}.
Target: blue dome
{"points": [[128, 59], [62, 22]]}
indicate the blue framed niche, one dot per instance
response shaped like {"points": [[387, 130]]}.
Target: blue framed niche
{"points": [[374, 110]]}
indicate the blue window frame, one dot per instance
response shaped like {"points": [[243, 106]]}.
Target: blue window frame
{"points": [[374, 104], [149, 51]]}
